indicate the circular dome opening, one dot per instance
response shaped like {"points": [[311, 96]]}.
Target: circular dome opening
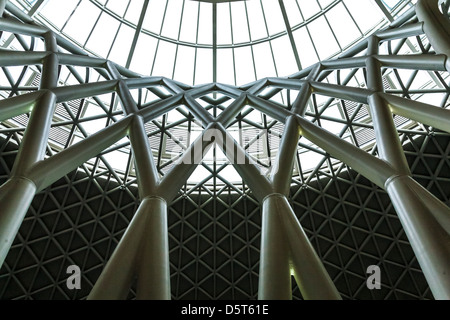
{"points": [[231, 42]]}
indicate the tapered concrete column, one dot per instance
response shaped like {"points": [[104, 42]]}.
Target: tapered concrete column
{"points": [[2, 7], [15, 198], [153, 259], [115, 281], [309, 272], [146, 171], [18, 192], [429, 240], [274, 271], [34, 142], [281, 174], [388, 142], [143, 252]]}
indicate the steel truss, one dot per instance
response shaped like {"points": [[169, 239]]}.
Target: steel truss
{"points": [[285, 248]]}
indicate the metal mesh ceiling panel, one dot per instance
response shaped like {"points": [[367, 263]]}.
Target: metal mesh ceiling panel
{"points": [[215, 242]]}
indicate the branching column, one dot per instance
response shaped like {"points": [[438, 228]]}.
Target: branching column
{"points": [[284, 244], [429, 240], [309, 272], [18, 192], [143, 251]]}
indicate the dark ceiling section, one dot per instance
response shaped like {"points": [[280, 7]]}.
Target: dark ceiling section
{"points": [[352, 225], [214, 240]]}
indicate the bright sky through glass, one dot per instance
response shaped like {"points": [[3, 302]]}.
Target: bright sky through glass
{"points": [[176, 39]]}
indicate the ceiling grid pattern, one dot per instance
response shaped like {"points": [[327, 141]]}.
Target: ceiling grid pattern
{"points": [[214, 243]]}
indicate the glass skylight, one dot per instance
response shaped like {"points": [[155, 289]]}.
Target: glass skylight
{"points": [[199, 42]]}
